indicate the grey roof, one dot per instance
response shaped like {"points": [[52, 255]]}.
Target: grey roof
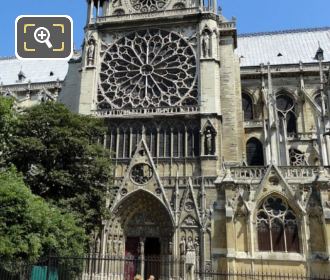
{"points": [[283, 47], [36, 71]]}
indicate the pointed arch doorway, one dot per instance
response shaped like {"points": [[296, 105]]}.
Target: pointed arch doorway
{"points": [[146, 227]]}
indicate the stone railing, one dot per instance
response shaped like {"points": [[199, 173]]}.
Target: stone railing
{"points": [[155, 14], [300, 171], [171, 181], [183, 181], [146, 111], [241, 172], [289, 172], [289, 68], [253, 124], [228, 25], [307, 136]]}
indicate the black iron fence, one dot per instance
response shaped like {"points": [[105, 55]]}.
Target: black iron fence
{"points": [[119, 268], [258, 276]]}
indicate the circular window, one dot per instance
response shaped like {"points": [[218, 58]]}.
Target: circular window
{"points": [[148, 68], [141, 173]]}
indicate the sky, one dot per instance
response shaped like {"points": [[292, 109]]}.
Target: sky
{"points": [[252, 16]]}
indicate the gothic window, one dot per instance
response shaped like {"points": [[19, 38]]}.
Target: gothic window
{"points": [[136, 136], [193, 142], [176, 144], [151, 138], [165, 142], [277, 226], [145, 6], [111, 142], [247, 107], [286, 111], [168, 143], [147, 69], [178, 134], [297, 158], [161, 143], [254, 152], [121, 139]]}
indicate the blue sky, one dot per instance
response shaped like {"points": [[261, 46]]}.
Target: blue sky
{"points": [[252, 15]]}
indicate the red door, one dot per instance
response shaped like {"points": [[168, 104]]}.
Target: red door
{"points": [[131, 257]]}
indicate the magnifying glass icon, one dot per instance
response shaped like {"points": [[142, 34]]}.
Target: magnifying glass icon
{"points": [[42, 35]]}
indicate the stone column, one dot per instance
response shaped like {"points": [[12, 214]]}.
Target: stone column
{"points": [[142, 243]]}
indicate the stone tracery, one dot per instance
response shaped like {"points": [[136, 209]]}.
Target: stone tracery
{"points": [[145, 6], [148, 68]]}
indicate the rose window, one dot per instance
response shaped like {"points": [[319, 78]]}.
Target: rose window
{"points": [[141, 173], [150, 68], [145, 6]]}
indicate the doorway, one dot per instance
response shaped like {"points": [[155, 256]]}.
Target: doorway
{"points": [[131, 257], [152, 254]]}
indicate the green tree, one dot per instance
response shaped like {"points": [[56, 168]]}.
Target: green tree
{"points": [[7, 121], [30, 228], [57, 152]]}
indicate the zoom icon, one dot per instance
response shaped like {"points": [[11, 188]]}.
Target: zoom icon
{"points": [[44, 37]]}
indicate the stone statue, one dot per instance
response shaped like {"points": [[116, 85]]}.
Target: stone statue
{"points": [[208, 142], [91, 51], [98, 245], [182, 246], [119, 245], [191, 252], [114, 245], [190, 244], [109, 245], [206, 45], [170, 247]]}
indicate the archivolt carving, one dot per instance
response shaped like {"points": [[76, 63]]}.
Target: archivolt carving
{"points": [[148, 68]]}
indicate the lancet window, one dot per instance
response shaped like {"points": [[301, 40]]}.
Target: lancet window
{"points": [[277, 226], [254, 152], [163, 141], [286, 111], [247, 107]]}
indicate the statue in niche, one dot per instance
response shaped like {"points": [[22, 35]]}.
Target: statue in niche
{"points": [[170, 247], [190, 244], [182, 246], [209, 141], [114, 245], [119, 245], [109, 245], [91, 51], [92, 244], [206, 44], [98, 245], [191, 252]]}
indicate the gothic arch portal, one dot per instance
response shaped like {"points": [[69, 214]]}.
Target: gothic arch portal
{"points": [[138, 217]]}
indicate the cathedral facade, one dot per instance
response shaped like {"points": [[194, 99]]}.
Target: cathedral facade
{"points": [[195, 175], [220, 143]]}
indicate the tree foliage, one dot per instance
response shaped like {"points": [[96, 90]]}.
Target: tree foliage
{"points": [[57, 152], [7, 121], [30, 228]]}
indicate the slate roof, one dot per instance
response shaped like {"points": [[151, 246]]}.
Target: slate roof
{"points": [[36, 71], [283, 47]]}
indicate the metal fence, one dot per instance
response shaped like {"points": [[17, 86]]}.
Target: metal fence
{"points": [[258, 276], [119, 268]]}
